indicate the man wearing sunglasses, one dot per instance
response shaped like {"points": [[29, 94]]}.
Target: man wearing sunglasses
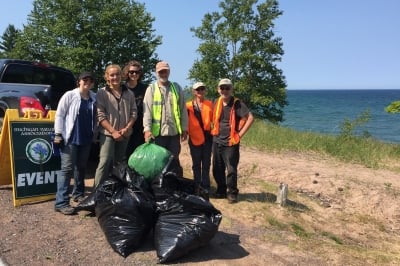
{"points": [[231, 120]]}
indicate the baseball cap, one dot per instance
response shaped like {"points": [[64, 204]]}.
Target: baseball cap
{"points": [[161, 66], [86, 75], [198, 84], [225, 82]]}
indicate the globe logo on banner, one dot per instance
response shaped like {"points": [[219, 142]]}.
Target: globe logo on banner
{"points": [[38, 151]]}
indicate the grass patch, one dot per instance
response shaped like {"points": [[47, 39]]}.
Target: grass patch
{"points": [[299, 231], [332, 237], [274, 222], [364, 150]]}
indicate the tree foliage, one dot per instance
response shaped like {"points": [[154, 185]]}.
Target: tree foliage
{"points": [[393, 107], [239, 43], [8, 40], [88, 34]]}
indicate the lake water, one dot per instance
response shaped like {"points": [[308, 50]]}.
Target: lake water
{"points": [[323, 111]]}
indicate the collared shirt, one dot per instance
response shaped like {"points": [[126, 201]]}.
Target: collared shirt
{"points": [[168, 126], [117, 111]]}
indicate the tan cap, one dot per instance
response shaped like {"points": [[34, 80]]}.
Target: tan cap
{"points": [[161, 66], [198, 84], [225, 82]]}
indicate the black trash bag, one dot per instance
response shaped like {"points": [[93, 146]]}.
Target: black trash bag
{"points": [[184, 223], [169, 182], [128, 176], [88, 204], [125, 214]]}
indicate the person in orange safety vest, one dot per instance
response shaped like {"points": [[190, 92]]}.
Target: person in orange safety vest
{"points": [[231, 120], [200, 139]]}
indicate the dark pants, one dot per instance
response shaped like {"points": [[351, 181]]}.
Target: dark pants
{"points": [[135, 140], [173, 144], [201, 160], [225, 158]]}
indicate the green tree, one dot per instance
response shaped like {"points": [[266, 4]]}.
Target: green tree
{"points": [[8, 40], [88, 35], [393, 107], [239, 43]]}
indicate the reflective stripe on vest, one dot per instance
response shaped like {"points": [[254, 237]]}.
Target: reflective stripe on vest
{"points": [[234, 134], [195, 131], [157, 109]]}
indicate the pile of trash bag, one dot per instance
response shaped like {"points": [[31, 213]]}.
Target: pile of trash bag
{"points": [[128, 205]]}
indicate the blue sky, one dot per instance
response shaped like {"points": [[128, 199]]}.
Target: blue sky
{"points": [[330, 44]]}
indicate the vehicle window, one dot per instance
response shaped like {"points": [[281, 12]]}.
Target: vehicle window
{"points": [[30, 74]]}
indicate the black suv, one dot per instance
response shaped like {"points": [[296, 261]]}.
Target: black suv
{"points": [[26, 85]]}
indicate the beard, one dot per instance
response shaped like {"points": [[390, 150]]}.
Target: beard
{"points": [[163, 80]]}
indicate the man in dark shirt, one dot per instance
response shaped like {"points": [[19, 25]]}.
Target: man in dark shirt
{"points": [[228, 110]]}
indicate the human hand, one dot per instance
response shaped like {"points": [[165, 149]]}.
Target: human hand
{"points": [[58, 140], [124, 132], [184, 136], [148, 136], [117, 135]]}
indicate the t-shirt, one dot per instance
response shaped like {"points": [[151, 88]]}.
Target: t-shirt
{"points": [[241, 110], [139, 92], [82, 133]]}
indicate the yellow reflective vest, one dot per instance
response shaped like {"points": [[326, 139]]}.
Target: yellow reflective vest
{"points": [[157, 109]]}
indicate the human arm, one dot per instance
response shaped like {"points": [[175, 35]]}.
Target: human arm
{"points": [[131, 114], [102, 115], [247, 125], [147, 113], [184, 114], [61, 113]]}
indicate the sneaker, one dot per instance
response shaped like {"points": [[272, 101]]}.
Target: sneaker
{"points": [[78, 199], [66, 210], [232, 198]]}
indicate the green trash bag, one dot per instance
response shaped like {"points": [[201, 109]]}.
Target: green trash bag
{"points": [[149, 160]]}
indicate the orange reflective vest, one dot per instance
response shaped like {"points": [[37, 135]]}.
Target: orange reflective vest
{"points": [[234, 131], [195, 131]]}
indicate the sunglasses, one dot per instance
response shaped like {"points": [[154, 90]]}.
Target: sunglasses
{"points": [[200, 89], [87, 79], [131, 72], [224, 88]]}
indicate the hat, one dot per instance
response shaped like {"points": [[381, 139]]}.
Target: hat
{"points": [[161, 66], [198, 84], [225, 82], [86, 75]]}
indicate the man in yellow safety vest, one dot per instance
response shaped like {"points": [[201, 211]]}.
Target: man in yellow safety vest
{"points": [[165, 118]]}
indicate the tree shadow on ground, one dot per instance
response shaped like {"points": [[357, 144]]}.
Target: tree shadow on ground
{"points": [[271, 198]]}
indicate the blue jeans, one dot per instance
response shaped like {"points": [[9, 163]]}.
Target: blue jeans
{"points": [[74, 160], [111, 152], [226, 158], [201, 160]]}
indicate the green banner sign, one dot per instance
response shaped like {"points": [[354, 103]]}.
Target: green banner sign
{"points": [[35, 168]]}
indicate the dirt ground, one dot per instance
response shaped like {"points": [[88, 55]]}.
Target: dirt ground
{"points": [[337, 214]]}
